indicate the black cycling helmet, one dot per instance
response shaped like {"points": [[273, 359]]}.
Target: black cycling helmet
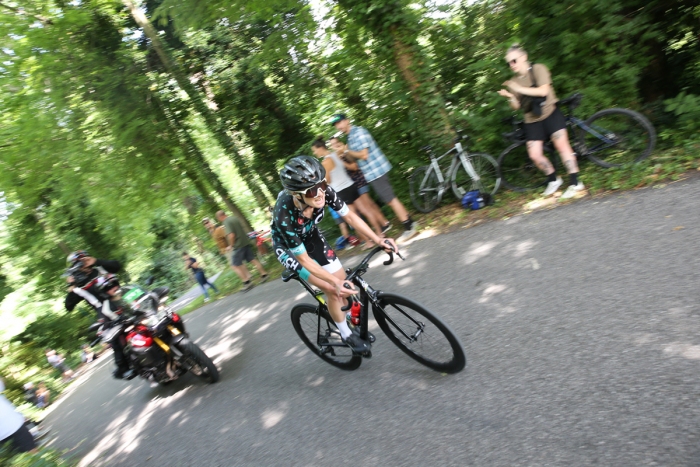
{"points": [[301, 173], [76, 257]]}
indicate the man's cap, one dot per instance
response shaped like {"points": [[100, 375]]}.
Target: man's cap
{"points": [[337, 118]]}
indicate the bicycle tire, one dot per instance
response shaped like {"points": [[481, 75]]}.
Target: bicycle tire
{"points": [[394, 313], [305, 322], [485, 167], [424, 188], [517, 171], [633, 137]]}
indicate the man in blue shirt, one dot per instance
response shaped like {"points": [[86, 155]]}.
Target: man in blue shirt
{"points": [[375, 167]]}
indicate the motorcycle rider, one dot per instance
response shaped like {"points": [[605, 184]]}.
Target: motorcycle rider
{"points": [[86, 280]]}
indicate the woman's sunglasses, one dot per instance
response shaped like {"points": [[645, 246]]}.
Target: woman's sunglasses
{"points": [[514, 61], [313, 191]]}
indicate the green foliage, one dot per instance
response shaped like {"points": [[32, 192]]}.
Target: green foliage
{"points": [[43, 458], [686, 109]]}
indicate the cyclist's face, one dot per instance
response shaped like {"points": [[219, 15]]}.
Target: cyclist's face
{"points": [[318, 201]]}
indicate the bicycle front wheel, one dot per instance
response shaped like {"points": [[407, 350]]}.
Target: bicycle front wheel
{"points": [[517, 170], [485, 167], [420, 334], [617, 137], [424, 187], [325, 340]]}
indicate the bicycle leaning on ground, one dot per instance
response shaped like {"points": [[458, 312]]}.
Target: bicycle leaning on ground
{"points": [[468, 172], [610, 138], [415, 330]]}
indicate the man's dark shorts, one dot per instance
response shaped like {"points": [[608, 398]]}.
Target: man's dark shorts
{"points": [[242, 254], [383, 188], [543, 131]]}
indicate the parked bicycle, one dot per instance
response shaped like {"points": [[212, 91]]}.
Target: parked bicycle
{"points": [[610, 138], [468, 172], [410, 326]]}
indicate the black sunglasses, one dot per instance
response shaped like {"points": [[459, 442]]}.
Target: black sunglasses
{"points": [[512, 62], [313, 191]]}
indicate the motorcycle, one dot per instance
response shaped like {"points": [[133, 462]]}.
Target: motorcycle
{"points": [[154, 338]]}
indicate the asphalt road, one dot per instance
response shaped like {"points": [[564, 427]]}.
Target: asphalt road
{"points": [[581, 329]]}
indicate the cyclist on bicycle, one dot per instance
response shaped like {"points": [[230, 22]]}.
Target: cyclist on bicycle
{"points": [[300, 246]]}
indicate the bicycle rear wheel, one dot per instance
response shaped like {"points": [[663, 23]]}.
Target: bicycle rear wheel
{"points": [[420, 334], [485, 167], [424, 188], [305, 322], [517, 171], [617, 137]]}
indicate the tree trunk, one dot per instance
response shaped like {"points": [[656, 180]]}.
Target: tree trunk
{"points": [[200, 105]]}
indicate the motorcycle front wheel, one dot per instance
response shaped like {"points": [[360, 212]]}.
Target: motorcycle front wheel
{"points": [[199, 364]]}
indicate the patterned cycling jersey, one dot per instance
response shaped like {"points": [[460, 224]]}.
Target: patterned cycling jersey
{"points": [[292, 232]]}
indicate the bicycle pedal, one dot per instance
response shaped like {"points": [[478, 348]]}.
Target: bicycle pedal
{"points": [[367, 354]]}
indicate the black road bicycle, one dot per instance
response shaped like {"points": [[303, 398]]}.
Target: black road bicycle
{"points": [[609, 138], [410, 326]]}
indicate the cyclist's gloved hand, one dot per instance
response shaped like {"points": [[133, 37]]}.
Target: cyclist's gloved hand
{"points": [[390, 245]]}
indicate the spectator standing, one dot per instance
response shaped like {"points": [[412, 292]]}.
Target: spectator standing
{"points": [[86, 354], [57, 361], [43, 396], [241, 249], [198, 273], [375, 167], [218, 233], [365, 203], [30, 393], [551, 124], [12, 427]]}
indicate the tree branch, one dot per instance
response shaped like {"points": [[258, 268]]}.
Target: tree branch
{"points": [[20, 11]]}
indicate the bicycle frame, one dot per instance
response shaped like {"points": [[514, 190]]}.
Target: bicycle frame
{"points": [[367, 294], [460, 157]]}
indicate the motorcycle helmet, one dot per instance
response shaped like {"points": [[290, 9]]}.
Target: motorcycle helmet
{"points": [[108, 283], [302, 173], [75, 258]]}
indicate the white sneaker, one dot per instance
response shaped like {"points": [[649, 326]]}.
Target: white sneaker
{"points": [[573, 190], [408, 234], [552, 187], [206, 299]]}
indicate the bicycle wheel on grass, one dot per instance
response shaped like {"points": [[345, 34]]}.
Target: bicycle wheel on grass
{"points": [[617, 137], [424, 188], [517, 171], [485, 167], [305, 322], [420, 334]]}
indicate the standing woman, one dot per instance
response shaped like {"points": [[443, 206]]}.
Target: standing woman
{"points": [[551, 124], [365, 205], [340, 181]]}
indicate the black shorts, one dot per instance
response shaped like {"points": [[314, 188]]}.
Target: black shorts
{"points": [[543, 130], [242, 254], [22, 440], [349, 194], [320, 251]]}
